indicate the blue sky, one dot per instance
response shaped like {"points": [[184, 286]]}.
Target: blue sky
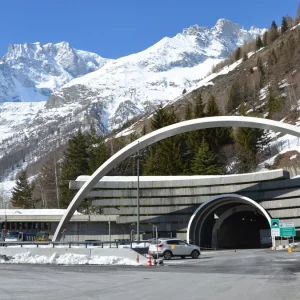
{"points": [[115, 28]]}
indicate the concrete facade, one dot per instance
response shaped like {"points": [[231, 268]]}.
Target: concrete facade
{"points": [[161, 134], [170, 201]]}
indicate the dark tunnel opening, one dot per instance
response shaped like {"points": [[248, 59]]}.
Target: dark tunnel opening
{"points": [[241, 230]]}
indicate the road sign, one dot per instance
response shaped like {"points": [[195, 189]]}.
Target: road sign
{"points": [[275, 227], [287, 229], [275, 223]]}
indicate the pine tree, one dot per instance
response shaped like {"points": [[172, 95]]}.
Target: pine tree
{"points": [[144, 129], [273, 33], [191, 140], [188, 112], [234, 97], [284, 25], [245, 56], [199, 108], [259, 43], [260, 66], [275, 103], [216, 137], [75, 163], [22, 192], [205, 162], [237, 54], [98, 153], [165, 159], [212, 108], [160, 118], [172, 116], [265, 39]]}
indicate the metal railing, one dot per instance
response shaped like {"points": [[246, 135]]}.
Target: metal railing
{"points": [[86, 244]]}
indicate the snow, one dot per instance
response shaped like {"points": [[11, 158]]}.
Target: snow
{"points": [[35, 212], [68, 259], [116, 90], [296, 26], [284, 144], [156, 178], [14, 116]]}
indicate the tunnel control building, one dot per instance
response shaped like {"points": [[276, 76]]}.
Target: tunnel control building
{"points": [[211, 211]]}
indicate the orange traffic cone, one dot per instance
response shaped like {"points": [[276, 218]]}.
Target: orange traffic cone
{"points": [[149, 263], [137, 258]]}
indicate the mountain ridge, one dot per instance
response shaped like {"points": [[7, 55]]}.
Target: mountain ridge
{"points": [[123, 88]]}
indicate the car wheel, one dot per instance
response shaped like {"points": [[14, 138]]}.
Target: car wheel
{"points": [[182, 257], [167, 255], [195, 254]]}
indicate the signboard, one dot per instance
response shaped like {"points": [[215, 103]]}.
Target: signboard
{"points": [[275, 227], [287, 229]]}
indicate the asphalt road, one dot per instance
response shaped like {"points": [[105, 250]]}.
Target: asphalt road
{"points": [[247, 274]]}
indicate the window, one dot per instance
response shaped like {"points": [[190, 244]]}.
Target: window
{"points": [[173, 242], [182, 243]]}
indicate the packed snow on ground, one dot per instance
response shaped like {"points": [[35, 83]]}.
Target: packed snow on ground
{"points": [[68, 259]]}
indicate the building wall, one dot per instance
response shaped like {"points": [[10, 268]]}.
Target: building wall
{"points": [[170, 201]]}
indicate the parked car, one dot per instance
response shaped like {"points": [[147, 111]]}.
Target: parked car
{"points": [[173, 247]]}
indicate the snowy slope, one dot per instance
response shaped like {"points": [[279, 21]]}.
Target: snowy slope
{"points": [[32, 71], [14, 116], [132, 85], [119, 89]]}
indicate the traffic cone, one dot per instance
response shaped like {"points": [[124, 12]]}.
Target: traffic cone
{"points": [[137, 258], [149, 263]]}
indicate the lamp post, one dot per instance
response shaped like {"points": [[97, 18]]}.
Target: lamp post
{"points": [[138, 195], [109, 233]]}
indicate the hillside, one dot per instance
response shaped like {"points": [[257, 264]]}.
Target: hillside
{"points": [[118, 91]]}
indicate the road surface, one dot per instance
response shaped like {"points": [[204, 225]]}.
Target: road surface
{"points": [[226, 275]]}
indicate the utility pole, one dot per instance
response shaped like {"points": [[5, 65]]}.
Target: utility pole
{"points": [[138, 195]]}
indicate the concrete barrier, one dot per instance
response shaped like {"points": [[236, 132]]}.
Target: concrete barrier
{"points": [[119, 252], [89, 252]]}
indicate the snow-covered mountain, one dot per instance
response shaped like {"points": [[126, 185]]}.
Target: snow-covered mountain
{"points": [[118, 90], [127, 86], [31, 72]]}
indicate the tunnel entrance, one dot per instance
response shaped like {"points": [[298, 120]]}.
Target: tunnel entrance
{"points": [[230, 222], [242, 230]]}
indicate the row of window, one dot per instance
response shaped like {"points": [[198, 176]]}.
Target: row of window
{"points": [[26, 226]]}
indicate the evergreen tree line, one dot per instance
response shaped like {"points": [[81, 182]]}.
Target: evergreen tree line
{"points": [[212, 151]]}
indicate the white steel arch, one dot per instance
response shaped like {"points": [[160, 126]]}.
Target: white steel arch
{"points": [[238, 198], [163, 133]]}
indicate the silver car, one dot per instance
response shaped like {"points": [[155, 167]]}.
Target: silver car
{"points": [[173, 247]]}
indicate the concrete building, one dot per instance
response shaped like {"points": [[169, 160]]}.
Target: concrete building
{"points": [[214, 211], [163, 133]]}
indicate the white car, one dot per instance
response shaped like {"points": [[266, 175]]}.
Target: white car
{"points": [[173, 247]]}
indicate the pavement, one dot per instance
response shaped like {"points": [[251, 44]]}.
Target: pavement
{"points": [[245, 274]]}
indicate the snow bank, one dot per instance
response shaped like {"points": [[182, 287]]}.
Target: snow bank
{"points": [[68, 259]]}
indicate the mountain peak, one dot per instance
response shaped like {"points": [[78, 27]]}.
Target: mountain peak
{"points": [[226, 27], [194, 30]]}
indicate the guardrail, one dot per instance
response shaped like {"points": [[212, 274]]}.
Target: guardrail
{"points": [[115, 244]]}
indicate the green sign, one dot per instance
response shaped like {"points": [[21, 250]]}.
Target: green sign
{"points": [[287, 229], [275, 223]]}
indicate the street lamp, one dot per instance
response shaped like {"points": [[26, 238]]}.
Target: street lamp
{"points": [[138, 195]]}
